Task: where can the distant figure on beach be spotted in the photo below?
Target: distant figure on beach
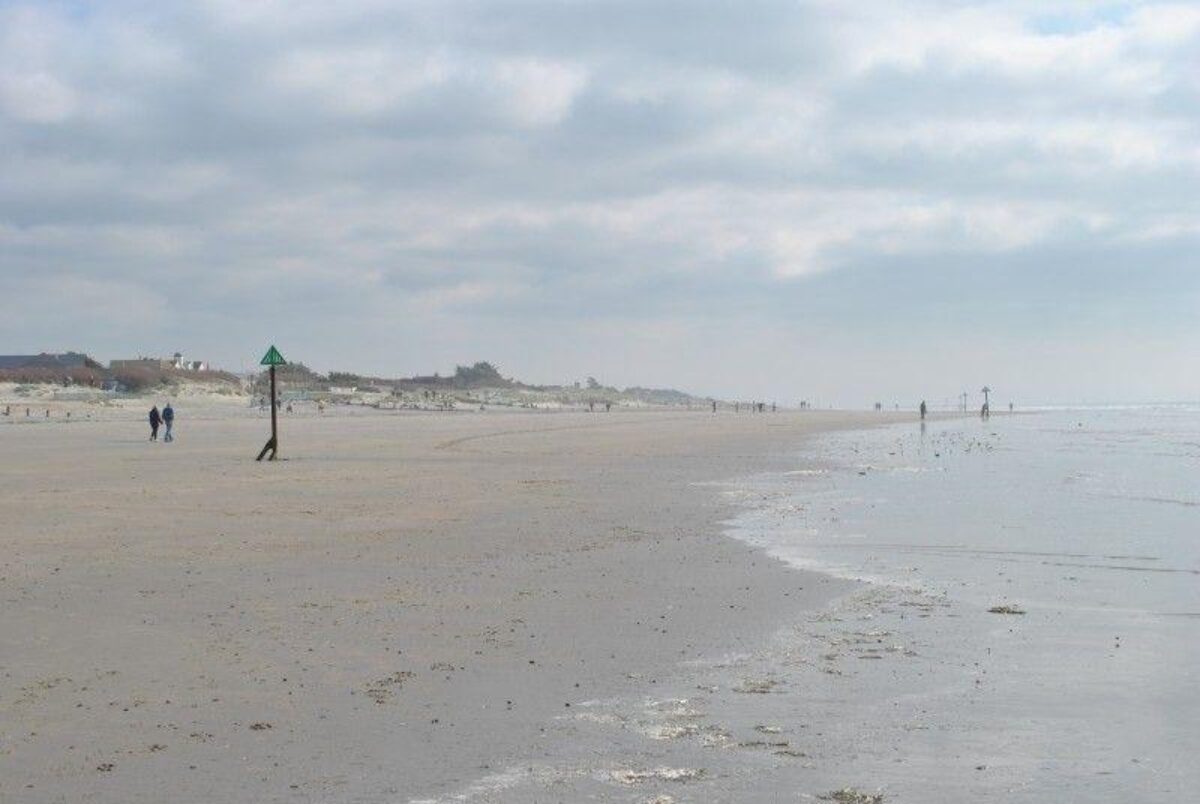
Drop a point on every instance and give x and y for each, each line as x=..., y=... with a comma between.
x=155, y=421
x=262, y=403
x=591, y=407
x=1010, y=407
x=289, y=407
x=320, y=406
x=608, y=407
x=923, y=410
x=984, y=412
x=168, y=418
x=714, y=406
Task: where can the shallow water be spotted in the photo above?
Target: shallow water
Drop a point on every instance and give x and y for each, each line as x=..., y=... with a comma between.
x=1086, y=521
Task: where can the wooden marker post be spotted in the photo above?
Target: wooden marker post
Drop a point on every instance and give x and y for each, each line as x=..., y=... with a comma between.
x=272, y=359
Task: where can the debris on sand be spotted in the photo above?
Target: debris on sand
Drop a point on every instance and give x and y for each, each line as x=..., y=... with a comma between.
x=381, y=691
x=848, y=795
x=675, y=707
x=716, y=737
x=671, y=731
x=658, y=775
x=762, y=744
x=791, y=752
x=1005, y=609
x=260, y=726
x=105, y=767
x=756, y=687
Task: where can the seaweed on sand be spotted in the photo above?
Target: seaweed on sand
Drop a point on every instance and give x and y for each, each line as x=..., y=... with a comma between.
x=848, y=795
x=1005, y=609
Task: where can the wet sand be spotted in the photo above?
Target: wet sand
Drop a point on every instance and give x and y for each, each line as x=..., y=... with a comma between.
x=408, y=607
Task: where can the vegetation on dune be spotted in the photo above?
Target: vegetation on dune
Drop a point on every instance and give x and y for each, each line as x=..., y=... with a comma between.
x=148, y=378
x=481, y=375
x=39, y=375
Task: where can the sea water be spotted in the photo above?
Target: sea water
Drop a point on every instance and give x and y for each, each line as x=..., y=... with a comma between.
x=1058, y=553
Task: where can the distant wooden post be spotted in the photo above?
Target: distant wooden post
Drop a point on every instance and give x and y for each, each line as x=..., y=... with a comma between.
x=272, y=359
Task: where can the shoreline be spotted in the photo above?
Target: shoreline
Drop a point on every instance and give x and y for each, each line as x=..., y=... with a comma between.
x=409, y=605
x=990, y=652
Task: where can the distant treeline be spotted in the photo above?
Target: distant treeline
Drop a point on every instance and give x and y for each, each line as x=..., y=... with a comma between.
x=93, y=375
x=480, y=375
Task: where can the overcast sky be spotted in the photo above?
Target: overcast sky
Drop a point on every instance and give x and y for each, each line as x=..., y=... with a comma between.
x=839, y=200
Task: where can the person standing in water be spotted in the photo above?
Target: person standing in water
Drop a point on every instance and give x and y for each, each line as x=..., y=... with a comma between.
x=155, y=420
x=924, y=410
x=168, y=417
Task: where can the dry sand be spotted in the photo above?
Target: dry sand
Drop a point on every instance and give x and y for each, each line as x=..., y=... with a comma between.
x=404, y=606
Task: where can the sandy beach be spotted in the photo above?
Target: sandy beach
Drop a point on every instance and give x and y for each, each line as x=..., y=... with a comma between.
x=725, y=402
x=408, y=607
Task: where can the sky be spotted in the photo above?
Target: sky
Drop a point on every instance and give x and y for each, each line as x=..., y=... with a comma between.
x=835, y=201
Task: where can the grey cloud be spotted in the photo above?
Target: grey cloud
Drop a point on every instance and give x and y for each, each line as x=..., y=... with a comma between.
x=475, y=167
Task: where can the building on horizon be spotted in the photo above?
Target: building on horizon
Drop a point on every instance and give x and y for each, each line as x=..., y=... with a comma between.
x=176, y=361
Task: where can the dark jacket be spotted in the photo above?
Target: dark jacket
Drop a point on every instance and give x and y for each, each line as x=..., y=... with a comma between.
x=154, y=417
x=168, y=414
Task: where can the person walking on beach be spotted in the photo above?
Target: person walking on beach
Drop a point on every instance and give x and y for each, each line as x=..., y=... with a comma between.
x=923, y=410
x=168, y=417
x=155, y=420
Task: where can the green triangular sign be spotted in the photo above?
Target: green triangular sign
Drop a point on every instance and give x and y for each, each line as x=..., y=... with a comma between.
x=272, y=358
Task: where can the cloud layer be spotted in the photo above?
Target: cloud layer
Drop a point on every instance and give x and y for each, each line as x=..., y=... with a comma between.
x=626, y=189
